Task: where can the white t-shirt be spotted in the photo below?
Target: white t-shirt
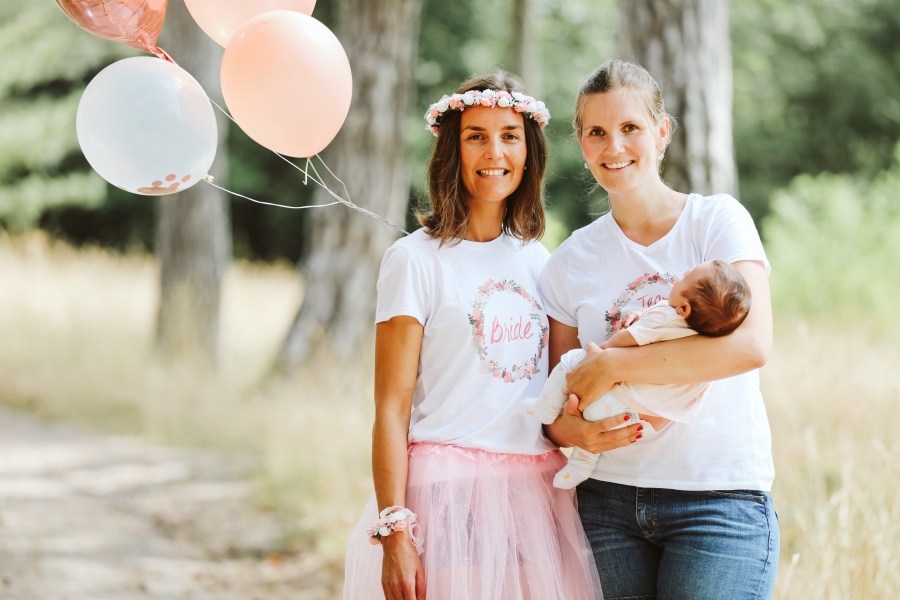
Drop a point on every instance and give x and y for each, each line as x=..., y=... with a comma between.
x=598, y=275
x=485, y=345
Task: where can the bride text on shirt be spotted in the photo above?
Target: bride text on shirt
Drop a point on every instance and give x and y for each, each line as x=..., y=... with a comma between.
x=512, y=331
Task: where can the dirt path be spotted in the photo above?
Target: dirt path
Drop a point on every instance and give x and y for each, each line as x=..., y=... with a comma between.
x=84, y=516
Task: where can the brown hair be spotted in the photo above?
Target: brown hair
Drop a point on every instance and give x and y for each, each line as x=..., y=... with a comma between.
x=448, y=218
x=615, y=74
x=719, y=302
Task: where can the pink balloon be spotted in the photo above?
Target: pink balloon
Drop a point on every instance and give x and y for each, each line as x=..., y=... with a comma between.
x=135, y=23
x=287, y=82
x=220, y=19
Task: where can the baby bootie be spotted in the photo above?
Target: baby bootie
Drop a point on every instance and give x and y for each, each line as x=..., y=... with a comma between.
x=571, y=475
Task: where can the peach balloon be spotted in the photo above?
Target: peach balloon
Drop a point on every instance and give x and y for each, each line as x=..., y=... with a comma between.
x=220, y=19
x=287, y=82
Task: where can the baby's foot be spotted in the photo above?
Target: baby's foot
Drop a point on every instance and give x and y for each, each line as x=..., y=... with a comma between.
x=571, y=475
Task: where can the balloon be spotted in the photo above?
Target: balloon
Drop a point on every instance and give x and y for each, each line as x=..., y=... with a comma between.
x=220, y=19
x=135, y=23
x=287, y=82
x=146, y=126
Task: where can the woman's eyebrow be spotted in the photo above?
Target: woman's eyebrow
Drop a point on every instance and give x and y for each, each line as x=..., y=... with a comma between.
x=622, y=124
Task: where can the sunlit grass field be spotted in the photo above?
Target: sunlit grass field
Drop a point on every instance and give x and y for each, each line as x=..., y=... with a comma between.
x=76, y=332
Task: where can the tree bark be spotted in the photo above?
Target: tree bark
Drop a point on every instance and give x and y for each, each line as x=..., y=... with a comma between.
x=525, y=50
x=381, y=39
x=193, y=240
x=685, y=44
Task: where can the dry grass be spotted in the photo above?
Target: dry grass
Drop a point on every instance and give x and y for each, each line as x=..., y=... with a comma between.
x=76, y=333
x=76, y=330
x=834, y=405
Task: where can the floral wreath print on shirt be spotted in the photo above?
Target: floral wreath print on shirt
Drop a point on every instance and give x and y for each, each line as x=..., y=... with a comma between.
x=514, y=372
x=614, y=315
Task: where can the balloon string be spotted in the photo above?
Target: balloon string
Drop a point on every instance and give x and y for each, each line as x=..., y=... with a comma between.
x=209, y=179
x=306, y=176
x=316, y=178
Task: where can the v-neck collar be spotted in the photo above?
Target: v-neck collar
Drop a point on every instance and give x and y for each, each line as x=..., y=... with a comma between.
x=629, y=242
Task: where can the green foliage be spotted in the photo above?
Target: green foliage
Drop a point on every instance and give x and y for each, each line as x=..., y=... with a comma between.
x=47, y=63
x=459, y=39
x=816, y=88
x=577, y=37
x=835, y=253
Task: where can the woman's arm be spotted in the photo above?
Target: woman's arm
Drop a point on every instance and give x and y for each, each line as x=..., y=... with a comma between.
x=570, y=429
x=397, y=346
x=688, y=360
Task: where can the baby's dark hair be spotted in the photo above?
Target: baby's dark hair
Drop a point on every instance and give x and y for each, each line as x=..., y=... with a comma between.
x=719, y=302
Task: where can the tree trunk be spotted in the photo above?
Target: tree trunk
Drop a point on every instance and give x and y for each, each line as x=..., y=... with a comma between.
x=193, y=240
x=685, y=44
x=381, y=39
x=525, y=49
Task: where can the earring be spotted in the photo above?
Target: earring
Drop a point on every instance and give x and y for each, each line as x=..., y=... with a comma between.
x=586, y=166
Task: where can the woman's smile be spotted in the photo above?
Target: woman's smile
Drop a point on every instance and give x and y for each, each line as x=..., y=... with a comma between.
x=617, y=166
x=492, y=173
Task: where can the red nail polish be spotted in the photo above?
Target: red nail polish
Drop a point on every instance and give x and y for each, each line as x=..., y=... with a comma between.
x=632, y=441
x=640, y=427
x=639, y=436
x=627, y=418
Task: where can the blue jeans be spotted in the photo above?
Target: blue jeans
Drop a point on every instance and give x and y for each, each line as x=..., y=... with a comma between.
x=659, y=544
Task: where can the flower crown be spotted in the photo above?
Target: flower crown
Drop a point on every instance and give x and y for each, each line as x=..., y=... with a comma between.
x=519, y=102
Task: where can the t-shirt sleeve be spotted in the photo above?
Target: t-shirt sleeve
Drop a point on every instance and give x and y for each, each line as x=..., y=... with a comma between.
x=402, y=287
x=733, y=235
x=659, y=323
x=553, y=287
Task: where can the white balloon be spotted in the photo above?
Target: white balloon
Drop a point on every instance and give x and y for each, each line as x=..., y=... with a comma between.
x=146, y=126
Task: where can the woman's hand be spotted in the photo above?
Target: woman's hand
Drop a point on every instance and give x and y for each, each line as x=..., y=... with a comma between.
x=570, y=429
x=592, y=377
x=402, y=575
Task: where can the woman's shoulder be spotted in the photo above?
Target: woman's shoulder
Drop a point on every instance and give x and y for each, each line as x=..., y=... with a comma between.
x=532, y=249
x=720, y=214
x=417, y=246
x=715, y=206
x=724, y=229
x=416, y=241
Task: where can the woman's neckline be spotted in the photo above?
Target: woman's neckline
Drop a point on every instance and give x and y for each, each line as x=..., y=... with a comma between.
x=473, y=244
x=668, y=234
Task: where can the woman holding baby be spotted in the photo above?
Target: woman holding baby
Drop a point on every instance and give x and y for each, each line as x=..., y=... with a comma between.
x=687, y=514
x=471, y=317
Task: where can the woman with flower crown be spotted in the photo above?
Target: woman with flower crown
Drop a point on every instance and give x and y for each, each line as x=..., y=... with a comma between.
x=464, y=507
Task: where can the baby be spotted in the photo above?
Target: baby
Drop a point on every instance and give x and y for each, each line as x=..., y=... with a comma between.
x=712, y=299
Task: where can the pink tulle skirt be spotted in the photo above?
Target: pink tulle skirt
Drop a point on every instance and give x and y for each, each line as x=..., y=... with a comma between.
x=494, y=527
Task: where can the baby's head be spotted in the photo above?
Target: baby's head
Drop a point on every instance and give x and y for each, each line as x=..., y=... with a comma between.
x=713, y=298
